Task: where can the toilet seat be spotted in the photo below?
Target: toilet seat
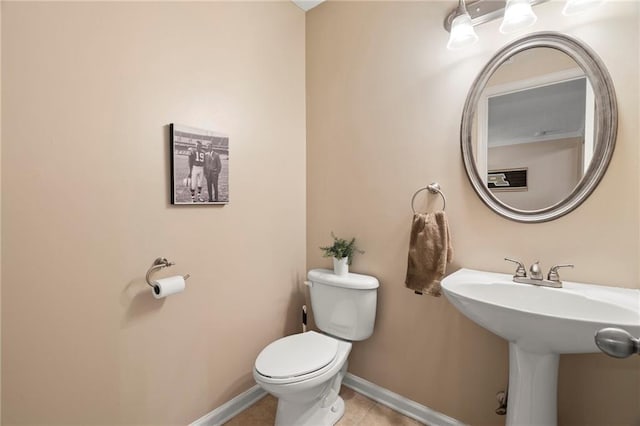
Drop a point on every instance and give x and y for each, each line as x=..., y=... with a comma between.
x=297, y=357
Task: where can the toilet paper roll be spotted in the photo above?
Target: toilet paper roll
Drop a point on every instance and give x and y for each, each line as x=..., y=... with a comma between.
x=167, y=286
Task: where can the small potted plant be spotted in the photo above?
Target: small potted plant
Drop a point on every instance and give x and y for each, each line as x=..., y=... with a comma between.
x=342, y=252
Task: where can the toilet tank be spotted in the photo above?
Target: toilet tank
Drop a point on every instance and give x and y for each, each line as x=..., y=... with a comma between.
x=343, y=306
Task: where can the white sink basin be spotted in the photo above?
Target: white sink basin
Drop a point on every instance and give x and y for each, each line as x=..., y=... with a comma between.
x=543, y=319
x=540, y=323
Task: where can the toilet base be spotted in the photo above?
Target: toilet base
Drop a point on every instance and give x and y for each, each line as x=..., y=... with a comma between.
x=289, y=414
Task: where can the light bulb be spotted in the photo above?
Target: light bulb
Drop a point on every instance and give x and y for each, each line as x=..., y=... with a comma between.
x=462, y=32
x=517, y=15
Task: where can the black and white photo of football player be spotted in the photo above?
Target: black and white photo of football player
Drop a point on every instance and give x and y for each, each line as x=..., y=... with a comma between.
x=196, y=171
x=198, y=158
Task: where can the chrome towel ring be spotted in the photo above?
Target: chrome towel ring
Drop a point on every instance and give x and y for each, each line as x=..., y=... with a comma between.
x=433, y=188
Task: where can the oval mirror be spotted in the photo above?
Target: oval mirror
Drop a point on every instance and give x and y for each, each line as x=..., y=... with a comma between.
x=539, y=127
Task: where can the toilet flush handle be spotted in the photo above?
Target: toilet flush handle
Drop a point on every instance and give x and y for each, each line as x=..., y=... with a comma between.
x=308, y=284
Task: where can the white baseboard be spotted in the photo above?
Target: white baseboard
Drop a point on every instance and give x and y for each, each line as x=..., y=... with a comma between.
x=398, y=403
x=231, y=408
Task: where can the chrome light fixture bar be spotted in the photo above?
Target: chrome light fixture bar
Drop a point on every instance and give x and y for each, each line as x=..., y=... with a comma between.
x=516, y=14
x=482, y=11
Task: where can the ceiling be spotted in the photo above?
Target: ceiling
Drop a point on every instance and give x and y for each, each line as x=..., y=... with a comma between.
x=555, y=111
x=307, y=4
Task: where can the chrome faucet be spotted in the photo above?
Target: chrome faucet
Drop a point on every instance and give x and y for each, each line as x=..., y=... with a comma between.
x=536, y=277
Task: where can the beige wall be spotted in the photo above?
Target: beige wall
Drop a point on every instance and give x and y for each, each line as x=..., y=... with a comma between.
x=384, y=100
x=89, y=89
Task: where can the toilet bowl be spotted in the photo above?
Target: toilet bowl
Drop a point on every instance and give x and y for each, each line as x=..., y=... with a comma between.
x=304, y=371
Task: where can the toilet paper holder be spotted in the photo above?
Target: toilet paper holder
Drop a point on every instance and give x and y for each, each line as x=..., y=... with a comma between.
x=160, y=263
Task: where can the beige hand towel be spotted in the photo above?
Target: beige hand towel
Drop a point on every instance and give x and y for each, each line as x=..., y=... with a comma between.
x=429, y=252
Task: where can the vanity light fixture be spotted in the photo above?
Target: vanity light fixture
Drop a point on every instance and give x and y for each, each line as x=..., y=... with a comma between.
x=462, y=32
x=516, y=14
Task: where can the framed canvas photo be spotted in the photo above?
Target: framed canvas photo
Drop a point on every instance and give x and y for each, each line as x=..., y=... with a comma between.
x=199, y=166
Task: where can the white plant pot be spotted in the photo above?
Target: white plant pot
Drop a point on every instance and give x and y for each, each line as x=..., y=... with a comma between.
x=340, y=266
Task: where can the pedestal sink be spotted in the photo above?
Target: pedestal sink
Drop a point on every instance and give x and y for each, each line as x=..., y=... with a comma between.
x=540, y=323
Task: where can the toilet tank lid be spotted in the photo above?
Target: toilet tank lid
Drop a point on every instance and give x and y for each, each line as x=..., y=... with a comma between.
x=353, y=281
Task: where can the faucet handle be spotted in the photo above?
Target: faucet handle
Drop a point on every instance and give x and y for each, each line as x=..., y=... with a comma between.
x=520, y=271
x=536, y=271
x=553, y=272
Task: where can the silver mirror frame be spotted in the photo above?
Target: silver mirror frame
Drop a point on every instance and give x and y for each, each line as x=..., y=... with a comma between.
x=606, y=125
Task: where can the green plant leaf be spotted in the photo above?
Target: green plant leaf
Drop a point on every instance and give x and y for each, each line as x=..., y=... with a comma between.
x=341, y=248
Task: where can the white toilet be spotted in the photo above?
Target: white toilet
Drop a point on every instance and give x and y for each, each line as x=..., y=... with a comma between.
x=304, y=371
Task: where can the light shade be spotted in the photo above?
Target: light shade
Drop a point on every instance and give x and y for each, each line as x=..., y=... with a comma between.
x=462, y=32
x=573, y=7
x=517, y=15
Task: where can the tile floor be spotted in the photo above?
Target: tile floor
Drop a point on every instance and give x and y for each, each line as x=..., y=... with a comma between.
x=359, y=410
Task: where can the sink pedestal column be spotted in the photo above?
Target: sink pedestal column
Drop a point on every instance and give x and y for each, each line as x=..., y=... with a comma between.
x=533, y=387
